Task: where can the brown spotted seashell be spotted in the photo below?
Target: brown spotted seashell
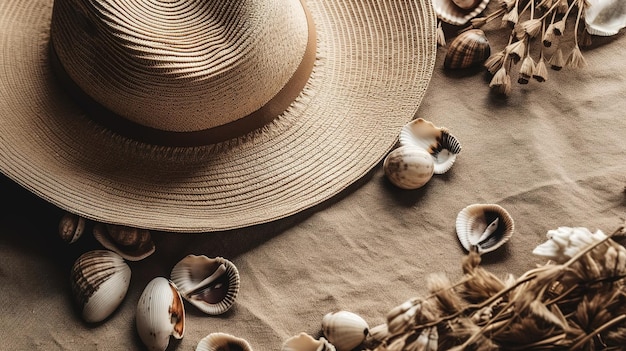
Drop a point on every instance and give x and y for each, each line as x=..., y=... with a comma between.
x=469, y=49
x=71, y=227
x=409, y=167
x=133, y=244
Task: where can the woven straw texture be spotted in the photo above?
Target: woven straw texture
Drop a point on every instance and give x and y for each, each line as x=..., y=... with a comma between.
x=347, y=118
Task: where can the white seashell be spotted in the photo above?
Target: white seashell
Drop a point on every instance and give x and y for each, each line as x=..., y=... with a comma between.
x=160, y=314
x=450, y=12
x=133, y=244
x=222, y=342
x=99, y=281
x=211, y=284
x=345, y=330
x=437, y=141
x=305, y=342
x=71, y=227
x=605, y=17
x=484, y=227
x=409, y=167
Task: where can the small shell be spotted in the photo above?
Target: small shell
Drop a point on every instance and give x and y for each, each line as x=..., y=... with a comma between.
x=71, y=227
x=305, y=342
x=409, y=167
x=222, y=342
x=133, y=244
x=160, y=314
x=449, y=12
x=211, y=284
x=484, y=226
x=345, y=330
x=469, y=49
x=605, y=17
x=437, y=141
x=99, y=281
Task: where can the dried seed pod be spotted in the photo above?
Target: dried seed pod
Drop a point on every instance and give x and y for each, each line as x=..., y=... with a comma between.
x=469, y=49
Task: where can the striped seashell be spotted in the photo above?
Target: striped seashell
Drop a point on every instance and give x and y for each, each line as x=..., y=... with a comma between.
x=133, y=244
x=345, y=330
x=469, y=49
x=222, y=342
x=437, y=141
x=450, y=12
x=484, y=227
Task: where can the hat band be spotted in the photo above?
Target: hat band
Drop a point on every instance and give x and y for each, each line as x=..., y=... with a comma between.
x=255, y=120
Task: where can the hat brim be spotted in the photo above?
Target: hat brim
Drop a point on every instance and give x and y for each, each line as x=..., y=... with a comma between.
x=374, y=62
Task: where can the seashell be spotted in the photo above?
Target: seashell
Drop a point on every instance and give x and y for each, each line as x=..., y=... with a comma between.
x=469, y=49
x=211, y=284
x=99, y=282
x=484, y=226
x=452, y=13
x=71, y=227
x=305, y=342
x=437, y=141
x=133, y=244
x=605, y=17
x=345, y=330
x=222, y=342
x=160, y=314
x=409, y=167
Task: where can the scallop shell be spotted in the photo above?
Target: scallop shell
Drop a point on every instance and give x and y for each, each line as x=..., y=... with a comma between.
x=605, y=17
x=408, y=167
x=71, y=227
x=437, y=141
x=305, y=342
x=451, y=13
x=222, y=342
x=99, y=281
x=160, y=314
x=345, y=330
x=133, y=244
x=484, y=226
x=469, y=49
x=211, y=284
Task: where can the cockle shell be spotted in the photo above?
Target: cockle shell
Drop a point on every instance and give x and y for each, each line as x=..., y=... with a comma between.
x=71, y=227
x=222, y=342
x=437, y=141
x=485, y=227
x=449, y=12
x=305, y=342
x=345, y=330
x=469, y=49
x=133, y=244
x=409, y=167
x=211, y=284
x=99, y=281
x=605, y=17
x=160, y=314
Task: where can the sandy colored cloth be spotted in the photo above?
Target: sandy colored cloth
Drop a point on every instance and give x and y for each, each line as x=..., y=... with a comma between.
x=552, y=154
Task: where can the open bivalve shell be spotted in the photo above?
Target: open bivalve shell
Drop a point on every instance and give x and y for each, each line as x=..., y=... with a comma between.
x=305, y=342
x=484, y=227
x=458, y=12
x=437, y=141
x=345, y=330
x=160, y=314
x=210, y=284
x=133, y=244
x=605, y=17
x=222, y=342
x=99, y=281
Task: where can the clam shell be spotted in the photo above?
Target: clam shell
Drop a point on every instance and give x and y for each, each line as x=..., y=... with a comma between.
x=605, y=17
x=437, y=141
x=469, y=49
x=71, y=227
x=408, y=167
x=99, y=282
x=345, y=330
x=305, y=342
x=210, y=284
x=451, y=13
x=222, y=342
x=484, y=226
x=160, y=314
x=133, y=244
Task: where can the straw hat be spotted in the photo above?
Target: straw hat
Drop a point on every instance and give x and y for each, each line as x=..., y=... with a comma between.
x=197, y=115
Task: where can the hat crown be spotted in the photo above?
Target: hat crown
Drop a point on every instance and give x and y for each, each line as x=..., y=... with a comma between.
x=180, y=65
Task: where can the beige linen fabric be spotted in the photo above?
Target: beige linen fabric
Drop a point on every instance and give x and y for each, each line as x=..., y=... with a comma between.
x=552, y=155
